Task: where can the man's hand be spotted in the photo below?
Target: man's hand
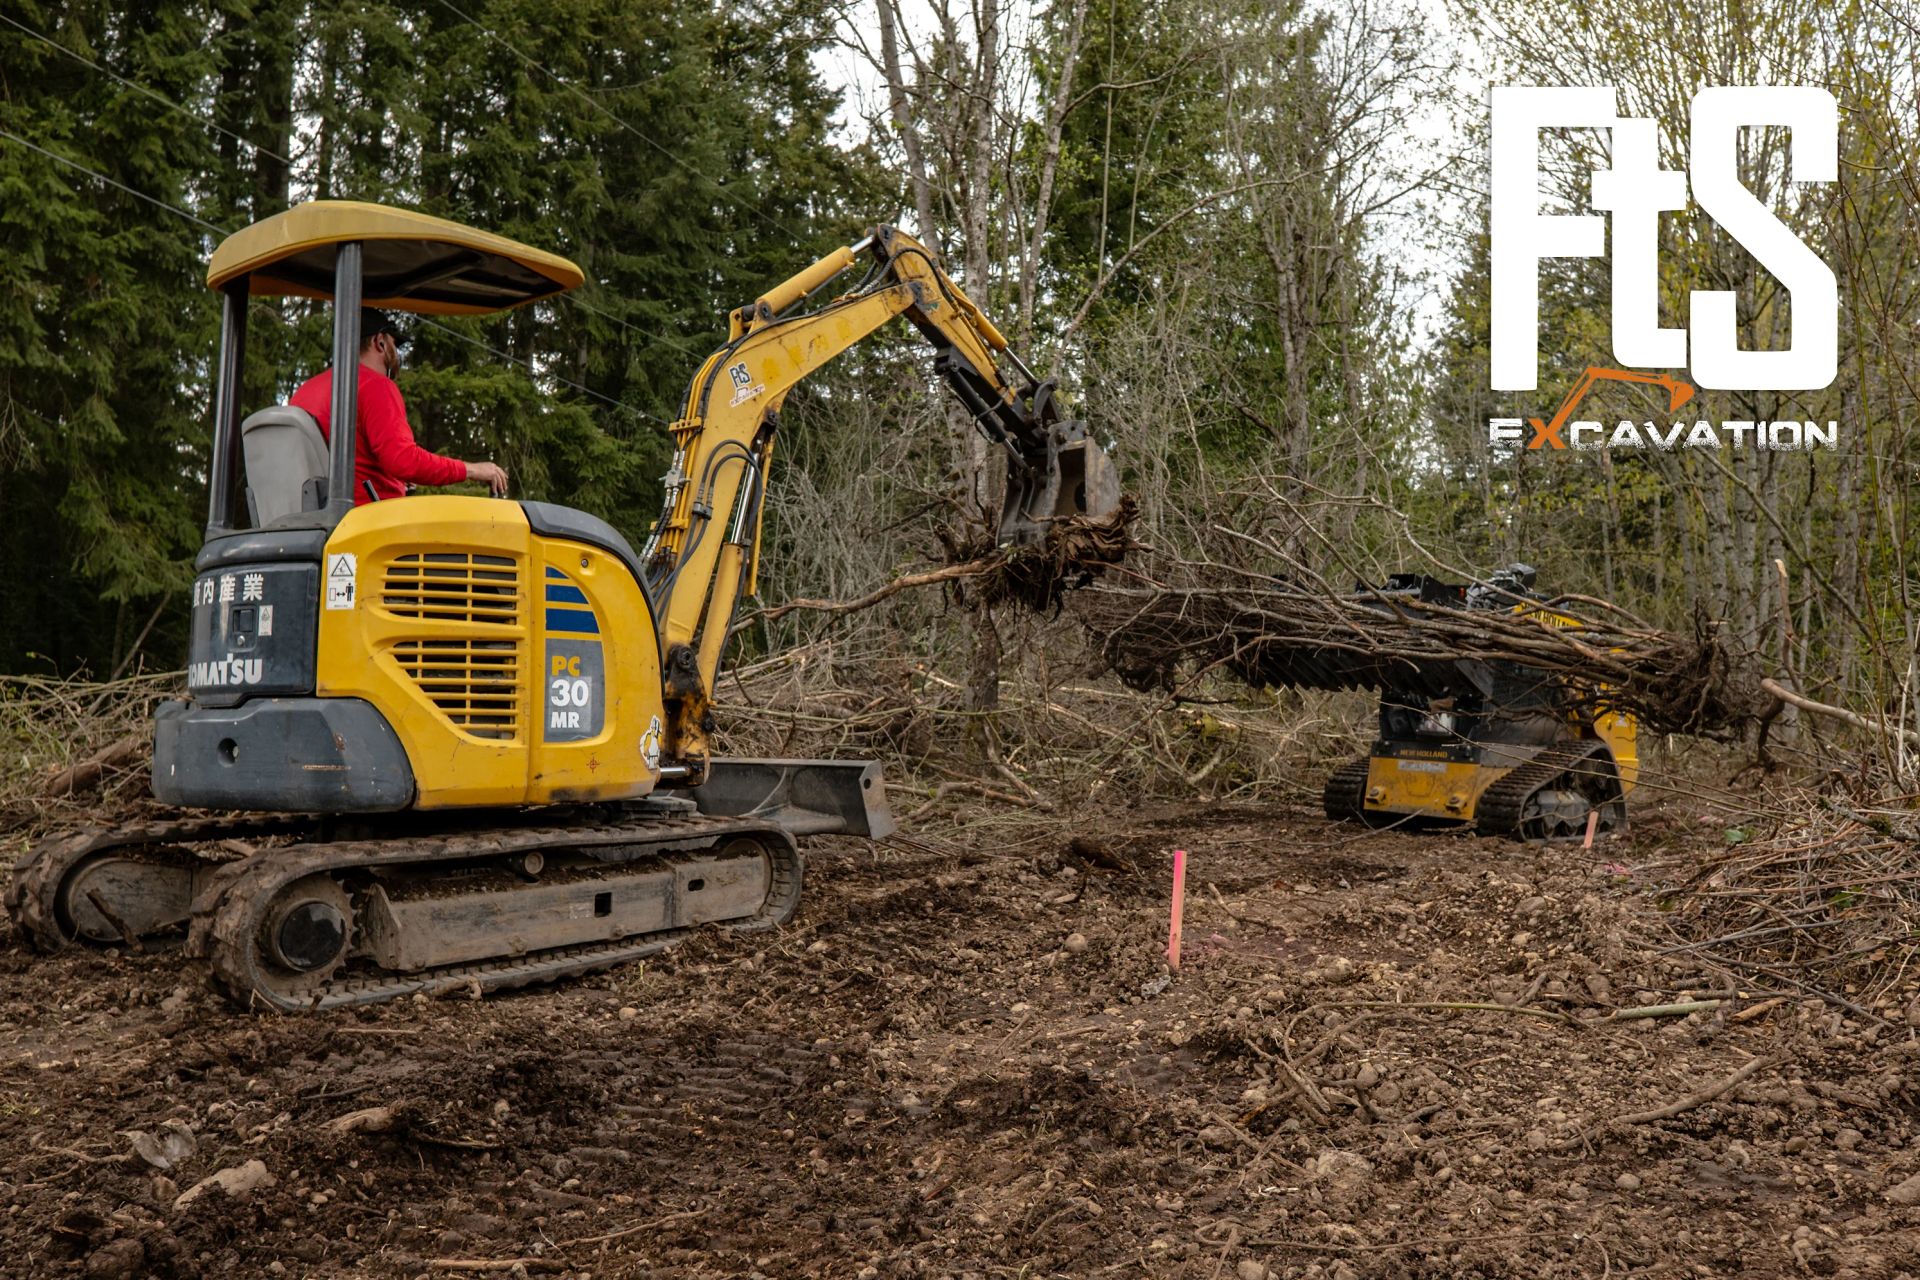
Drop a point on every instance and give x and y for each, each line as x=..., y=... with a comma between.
x=495, y=478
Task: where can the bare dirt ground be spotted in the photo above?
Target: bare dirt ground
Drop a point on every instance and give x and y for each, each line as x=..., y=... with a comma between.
x=966, y=1058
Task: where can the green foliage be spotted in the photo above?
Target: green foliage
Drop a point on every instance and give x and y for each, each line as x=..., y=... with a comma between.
x=100, y=346
x=679, y=152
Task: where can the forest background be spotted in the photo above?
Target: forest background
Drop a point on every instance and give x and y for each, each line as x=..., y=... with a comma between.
x=1249, y=238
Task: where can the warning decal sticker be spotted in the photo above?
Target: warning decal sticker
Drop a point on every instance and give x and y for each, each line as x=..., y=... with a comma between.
x=342, y=573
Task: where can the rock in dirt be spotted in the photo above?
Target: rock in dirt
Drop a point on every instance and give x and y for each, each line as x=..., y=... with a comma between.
x=163, y=1148
x=1334, y=972
x=1627, y=1182
x=1906, y=1193
x=1248, y=1269
x=237, y=1181
x=1342, y=1174
x=1075, y=943
x=121, y=1259
x=366, y=1120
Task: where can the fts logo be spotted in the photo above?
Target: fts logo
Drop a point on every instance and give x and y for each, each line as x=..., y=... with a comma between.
x=1633, y=193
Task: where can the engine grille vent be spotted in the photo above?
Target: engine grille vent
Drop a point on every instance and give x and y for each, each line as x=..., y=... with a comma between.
x=475, y=683
x=453, y=586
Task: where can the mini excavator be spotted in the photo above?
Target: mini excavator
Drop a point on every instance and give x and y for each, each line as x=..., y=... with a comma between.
x=469, y=738
x=1496, y=745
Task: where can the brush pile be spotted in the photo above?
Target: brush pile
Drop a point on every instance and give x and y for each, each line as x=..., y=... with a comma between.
x=1825, y=899
x=75, y=749
x=1272, y=633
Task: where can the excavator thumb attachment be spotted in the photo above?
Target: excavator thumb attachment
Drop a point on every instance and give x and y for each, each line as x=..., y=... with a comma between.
x=1071, y=476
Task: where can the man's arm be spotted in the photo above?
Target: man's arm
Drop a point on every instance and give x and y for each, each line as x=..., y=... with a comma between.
x=383, y=418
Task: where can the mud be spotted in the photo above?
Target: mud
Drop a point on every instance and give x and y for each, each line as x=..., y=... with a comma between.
x=967, y=1058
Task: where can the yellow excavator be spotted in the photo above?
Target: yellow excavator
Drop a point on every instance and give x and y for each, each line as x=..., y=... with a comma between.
x=470, y=737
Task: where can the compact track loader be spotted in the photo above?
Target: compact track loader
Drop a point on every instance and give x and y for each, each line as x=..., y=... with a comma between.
x=1496, y=745
x=468, y=738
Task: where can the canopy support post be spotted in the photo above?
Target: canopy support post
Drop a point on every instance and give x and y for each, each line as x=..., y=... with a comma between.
x=346, y=380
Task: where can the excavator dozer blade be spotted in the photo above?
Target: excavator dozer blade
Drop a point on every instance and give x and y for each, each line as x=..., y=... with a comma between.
x=804, y=797
x=1073, y=477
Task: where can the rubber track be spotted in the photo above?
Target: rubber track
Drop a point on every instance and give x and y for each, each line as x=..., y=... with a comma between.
x=230, y=917
x=1345, y=795
x=1501, y=806
x=33, y=888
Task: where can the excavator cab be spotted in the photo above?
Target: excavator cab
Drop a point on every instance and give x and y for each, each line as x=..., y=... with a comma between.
x=274, y=467
x=343, y=658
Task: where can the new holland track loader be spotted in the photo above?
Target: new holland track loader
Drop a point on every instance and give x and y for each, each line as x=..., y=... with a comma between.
x=469, y=737
x=1496, y=745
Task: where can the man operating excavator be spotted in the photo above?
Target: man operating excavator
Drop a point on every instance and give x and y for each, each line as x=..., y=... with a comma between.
x=387, y=458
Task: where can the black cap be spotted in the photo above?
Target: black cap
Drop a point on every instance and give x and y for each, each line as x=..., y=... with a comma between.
x=374, y=323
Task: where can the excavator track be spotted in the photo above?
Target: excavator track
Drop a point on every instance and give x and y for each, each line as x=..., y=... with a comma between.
x=45, y=887
x=1584, y=776
x=232, y=920
x=1345, y=795
x=211, y=881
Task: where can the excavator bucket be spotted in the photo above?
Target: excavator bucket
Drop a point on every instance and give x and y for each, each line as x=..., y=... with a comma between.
x=1072, y=476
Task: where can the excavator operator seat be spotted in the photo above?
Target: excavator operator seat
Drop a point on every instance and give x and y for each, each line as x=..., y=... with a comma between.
x=286, y=463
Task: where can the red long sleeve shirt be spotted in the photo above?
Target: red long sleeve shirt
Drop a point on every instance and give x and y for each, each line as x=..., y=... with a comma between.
x=384, y=452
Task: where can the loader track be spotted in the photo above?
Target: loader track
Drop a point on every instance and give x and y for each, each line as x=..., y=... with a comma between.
x=1345, y=795
x=240, y=889
x=1580, y=766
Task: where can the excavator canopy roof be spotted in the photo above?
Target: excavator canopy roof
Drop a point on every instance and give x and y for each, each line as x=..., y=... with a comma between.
x=412, y=262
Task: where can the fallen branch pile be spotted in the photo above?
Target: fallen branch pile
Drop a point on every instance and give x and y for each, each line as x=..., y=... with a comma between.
x=1272, y=634
x=75, y=746
x=1269, y=631
x=1826, y=900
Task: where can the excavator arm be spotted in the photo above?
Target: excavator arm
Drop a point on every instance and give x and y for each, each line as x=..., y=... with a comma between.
x=702, y=553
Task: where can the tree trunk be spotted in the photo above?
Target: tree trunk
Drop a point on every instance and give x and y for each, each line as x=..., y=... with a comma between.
x=903, y=120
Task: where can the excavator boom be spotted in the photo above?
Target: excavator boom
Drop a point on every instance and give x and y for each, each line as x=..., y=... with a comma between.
x=701, y=554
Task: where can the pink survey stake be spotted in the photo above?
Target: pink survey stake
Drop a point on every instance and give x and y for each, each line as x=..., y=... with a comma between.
x=1179, y=907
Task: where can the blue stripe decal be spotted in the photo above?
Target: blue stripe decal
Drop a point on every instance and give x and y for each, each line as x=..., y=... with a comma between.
x=565, y=595
x=577, y=620
x=555, y=573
